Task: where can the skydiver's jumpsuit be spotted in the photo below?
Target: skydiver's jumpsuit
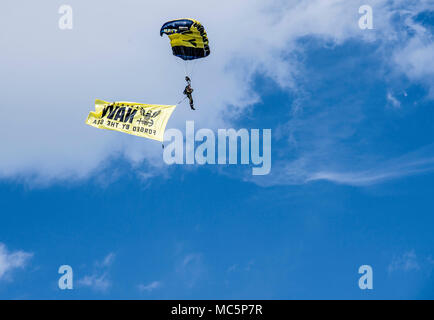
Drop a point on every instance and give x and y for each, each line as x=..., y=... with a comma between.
x=188, y=91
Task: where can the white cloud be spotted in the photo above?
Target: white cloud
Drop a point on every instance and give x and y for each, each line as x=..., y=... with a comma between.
x=53, y=76
x=417, y=58
x=411, y=164
x=150, y=287
x=190, y=259
x=415, y=55
x=107, y=261
x=191, y=269
x=406, y=262
x=393, y=100
x=232, y=268
x=10, y=261
x=99, y=280
x=367, y=172
x=96, y=282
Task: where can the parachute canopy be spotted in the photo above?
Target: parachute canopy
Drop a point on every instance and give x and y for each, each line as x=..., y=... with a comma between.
x=188, y=38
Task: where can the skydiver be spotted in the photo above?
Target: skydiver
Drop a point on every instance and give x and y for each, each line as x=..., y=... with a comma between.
x=188, y=92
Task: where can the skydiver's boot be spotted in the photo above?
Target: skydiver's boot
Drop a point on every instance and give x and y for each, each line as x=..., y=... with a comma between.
x=192, y=105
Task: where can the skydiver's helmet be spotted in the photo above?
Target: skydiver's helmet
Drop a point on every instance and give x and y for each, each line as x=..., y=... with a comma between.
x=187, y=79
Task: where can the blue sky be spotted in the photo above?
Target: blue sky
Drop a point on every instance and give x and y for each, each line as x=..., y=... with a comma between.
x=352, y=154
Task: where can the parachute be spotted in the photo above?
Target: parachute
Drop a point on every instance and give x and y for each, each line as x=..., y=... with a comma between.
x=189, y=42
x=188, y=39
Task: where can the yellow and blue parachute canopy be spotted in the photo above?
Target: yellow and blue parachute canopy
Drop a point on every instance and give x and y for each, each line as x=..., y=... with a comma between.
x=188, y=38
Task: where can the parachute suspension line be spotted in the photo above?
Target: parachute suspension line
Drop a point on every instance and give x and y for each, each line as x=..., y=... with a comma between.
x=185, y=62
x=193, y=67
x=187, y=73
x=181, y=101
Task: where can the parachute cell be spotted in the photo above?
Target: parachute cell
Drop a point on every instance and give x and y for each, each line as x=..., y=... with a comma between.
x=188, y=39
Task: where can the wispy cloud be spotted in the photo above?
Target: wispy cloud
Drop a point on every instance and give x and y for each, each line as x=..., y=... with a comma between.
x=191, y=268
x=406, y=262
x=380, y=172
x=190, y=259
x=149, y=287
x=308, y=168
x=10, y=261
x=393, y=100
x=99, y=280
x=409, y=261
x=107, y=261
x=232, y=268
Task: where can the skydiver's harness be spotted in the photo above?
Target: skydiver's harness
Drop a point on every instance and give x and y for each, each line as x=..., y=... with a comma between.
x=186, y=95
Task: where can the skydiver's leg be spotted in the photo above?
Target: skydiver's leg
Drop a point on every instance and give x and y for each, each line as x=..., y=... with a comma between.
x=191, y=102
